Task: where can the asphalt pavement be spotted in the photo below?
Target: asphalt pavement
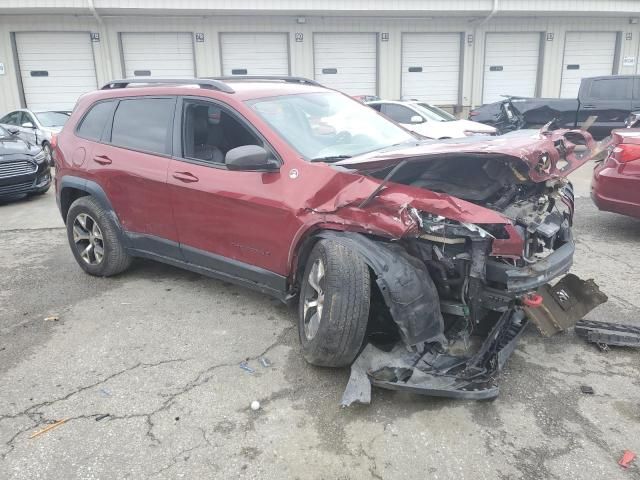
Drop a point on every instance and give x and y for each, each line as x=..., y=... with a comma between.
x=144, y=370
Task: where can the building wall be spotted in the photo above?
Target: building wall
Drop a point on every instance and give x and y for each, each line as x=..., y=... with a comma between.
x=207, y=54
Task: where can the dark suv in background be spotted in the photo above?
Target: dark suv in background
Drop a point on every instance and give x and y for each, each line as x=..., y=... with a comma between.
x=303, y=193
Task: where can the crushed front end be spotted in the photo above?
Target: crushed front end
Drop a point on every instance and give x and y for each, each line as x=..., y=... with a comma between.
x=490, y=279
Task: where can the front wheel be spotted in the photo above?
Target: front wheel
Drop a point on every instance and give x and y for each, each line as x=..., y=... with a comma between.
x=334, y=305
x=46, y=148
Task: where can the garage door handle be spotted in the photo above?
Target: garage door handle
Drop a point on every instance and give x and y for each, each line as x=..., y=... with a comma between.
x=185, y=177
x=102, y=159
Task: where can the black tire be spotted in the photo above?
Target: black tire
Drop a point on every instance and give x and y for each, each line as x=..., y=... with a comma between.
x=115, y=258
x=46, y=148
x=345, y=308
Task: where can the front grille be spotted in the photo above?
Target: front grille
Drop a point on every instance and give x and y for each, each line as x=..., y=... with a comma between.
x=17, y=168
x=16, y=189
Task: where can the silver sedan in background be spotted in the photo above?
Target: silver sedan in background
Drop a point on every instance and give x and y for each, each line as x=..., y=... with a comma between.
x=36, y=127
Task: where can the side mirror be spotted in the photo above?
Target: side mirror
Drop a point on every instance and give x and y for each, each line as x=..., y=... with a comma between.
x=250, y=158
x=27, y=125
x=416, y=119
x=13, y=130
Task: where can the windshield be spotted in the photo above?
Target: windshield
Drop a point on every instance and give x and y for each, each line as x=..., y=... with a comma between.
x=328, y=125
x=434, y=113
x=52, y=119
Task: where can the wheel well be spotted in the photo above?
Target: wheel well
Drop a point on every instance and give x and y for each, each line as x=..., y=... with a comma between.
x=68, y=195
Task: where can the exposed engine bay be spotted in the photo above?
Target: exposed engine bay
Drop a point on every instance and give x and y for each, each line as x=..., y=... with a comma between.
x=485, y=293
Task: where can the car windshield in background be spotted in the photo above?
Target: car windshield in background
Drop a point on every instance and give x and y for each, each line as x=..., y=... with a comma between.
x=52, y=119
x=434, y=113
x=328, y=126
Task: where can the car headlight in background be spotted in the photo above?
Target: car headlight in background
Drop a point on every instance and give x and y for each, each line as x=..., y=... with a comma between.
x=40, y=157
x=470, y=133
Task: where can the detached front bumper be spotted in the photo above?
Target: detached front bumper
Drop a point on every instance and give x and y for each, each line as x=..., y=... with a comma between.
x=517, y=280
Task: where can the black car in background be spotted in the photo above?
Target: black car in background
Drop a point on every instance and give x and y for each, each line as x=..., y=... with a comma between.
x=24, y=169
x=603, y=104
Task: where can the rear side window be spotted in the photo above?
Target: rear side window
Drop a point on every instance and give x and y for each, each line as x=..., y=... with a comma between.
x=94, y=121
x=611, y=89
x=144, y=124
x=397, y=113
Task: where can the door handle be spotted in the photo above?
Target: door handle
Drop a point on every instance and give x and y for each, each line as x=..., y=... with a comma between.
x=588, y=107
x=185, y=177
x=102, y=159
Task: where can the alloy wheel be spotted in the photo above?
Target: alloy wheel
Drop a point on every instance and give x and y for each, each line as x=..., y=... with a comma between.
x=88, y=239
x=314, y=299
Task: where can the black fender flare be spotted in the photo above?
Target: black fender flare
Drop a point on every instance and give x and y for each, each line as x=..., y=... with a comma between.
x=405, y=284
x=94, y=190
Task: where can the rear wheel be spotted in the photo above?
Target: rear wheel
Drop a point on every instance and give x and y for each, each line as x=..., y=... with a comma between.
x=334, y=305
x=93, y=237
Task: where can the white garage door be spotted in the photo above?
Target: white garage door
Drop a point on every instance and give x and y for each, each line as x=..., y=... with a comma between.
x=346, y=61
x=167, y=55
x=586, y=54
x=431, y=67
x=254, y=53
x=510, y=65
x=56, y=68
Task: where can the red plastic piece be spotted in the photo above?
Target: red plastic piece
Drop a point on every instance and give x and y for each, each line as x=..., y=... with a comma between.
x=533, y=300
x=627, y=457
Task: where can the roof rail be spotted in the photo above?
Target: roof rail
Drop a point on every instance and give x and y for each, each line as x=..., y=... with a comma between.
x=281, y=78
x=201, y=82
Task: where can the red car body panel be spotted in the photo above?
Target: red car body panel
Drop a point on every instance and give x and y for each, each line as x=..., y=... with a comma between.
x=261, y=218
x=615, y=186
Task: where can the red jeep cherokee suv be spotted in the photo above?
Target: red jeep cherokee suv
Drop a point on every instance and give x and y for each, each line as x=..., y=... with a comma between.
x=301, y=192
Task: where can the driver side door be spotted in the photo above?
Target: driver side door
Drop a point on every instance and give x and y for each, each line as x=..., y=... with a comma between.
x=236, y=223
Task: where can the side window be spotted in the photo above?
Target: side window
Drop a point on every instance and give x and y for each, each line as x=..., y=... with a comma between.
x=12, y=119
x=397, y=113
x=26, y=117
x=210, y=131
x=144, y=124
x=93, y=123
x=610, y=89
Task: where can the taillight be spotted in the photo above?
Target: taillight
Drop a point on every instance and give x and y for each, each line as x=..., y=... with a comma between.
x=625, y=152
x=473, y=113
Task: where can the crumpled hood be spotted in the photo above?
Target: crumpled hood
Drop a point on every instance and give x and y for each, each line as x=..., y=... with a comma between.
x=15, y=145
x=537, y=156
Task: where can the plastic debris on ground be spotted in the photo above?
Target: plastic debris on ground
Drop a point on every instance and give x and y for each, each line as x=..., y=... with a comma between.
x=52, y=318
x=265, y=362
x=627, y=457
x=245, y=366
x=587, y=389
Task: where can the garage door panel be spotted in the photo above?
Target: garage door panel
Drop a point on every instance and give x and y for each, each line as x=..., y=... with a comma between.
x=67, y=59
x=257, y=53
x=511, y=65
x=352, y=56
x=162, y=54
x=438, y=57
x=592, y=52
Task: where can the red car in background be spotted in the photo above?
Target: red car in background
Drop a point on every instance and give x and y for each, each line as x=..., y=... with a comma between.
x=616, y=181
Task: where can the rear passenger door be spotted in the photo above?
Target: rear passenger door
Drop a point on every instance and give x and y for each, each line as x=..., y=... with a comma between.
x=131, y=162
x=610, y=100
